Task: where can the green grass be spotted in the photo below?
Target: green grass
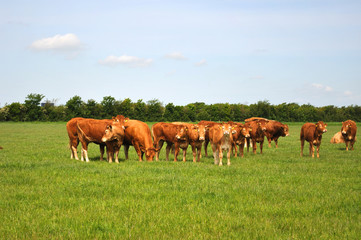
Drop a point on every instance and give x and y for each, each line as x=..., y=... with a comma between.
x=277, y=195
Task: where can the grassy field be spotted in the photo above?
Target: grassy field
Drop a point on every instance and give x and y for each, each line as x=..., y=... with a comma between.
x=277, y=195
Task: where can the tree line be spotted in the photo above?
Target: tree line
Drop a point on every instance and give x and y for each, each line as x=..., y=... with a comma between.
x=156, y=111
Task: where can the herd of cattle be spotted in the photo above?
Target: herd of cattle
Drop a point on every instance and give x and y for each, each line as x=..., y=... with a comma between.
x=113, y=133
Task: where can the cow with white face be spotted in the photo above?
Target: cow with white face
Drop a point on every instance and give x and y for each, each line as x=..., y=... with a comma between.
x=220, y=136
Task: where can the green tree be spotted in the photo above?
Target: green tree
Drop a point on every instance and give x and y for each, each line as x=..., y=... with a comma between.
x=140, y=110
x=32, y=107
x=108, y=104
x=74, y=107
x=93, y=109
x=126, y=108
x=155, y=110
x=15, y=112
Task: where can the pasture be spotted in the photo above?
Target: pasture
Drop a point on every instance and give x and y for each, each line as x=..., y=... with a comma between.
x=277, y=195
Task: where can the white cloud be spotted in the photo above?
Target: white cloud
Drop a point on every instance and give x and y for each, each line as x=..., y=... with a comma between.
x=201, y=63
x=67, y=42
x=176, y=56
x=130, y=61
x=348, y=93
x=322, y=87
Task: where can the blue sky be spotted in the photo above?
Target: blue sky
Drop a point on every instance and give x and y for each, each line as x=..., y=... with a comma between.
x=182, y=51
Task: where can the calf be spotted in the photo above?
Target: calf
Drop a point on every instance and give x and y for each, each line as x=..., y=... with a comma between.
x=221, y=139
x=195, y=137
x=137, y=134
x=92, y=130
x=114, y=133
x=240, y=133
x=257, y=133
x=207, y=124
x=274, y=130
x=348, y=131
x=172, y=134
x=312, y=133
x=337, y=138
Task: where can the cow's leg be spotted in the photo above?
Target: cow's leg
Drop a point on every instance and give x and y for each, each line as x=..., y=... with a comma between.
x=101, y=148
x=312, y=150
x=215, y=153
x=184, y=154
x=139, y=152
x=302, y=145
x=269, y=141
x=254, y=143
x=318, y=150
x=248, y=142
x=220, y=151
x=167, y=150
x=73, y=148
x=126, y=150
x=205, y=148
x=176, y=151
x=276, y=141
x=346, y=144
x=261, y=146
x=229, y=157
x=241, y=149
x=117, y=154
x=159, y=145
x=235, y=149
x=199, y=150
x=352, y=143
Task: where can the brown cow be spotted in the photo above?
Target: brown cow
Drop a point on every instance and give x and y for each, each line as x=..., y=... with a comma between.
x=240, y=133
x=172, y=134
x=337, y=138
x=274, y=130
x=221, y=139
x=114, y=133
x=71, y=128
x=312, y=133
x=137, y=133
x=257, y=133
x=92, y=130
x=348, y=131
x=195, y=137
x=208, y=125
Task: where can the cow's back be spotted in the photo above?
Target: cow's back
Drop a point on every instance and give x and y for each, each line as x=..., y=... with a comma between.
x=71, y=127
x=308, y=131
x=139, y=131
x=93, y=129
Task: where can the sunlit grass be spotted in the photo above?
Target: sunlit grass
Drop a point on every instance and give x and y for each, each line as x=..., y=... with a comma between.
x=277, y=195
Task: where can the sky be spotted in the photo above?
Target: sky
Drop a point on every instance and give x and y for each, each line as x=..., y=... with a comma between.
x=181, y=52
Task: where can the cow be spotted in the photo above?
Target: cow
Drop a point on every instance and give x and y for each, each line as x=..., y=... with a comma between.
x=240, y=133
x=257, y=133
x=337, y=138
x=92, y=130
x=207, y=124
x=172, y=134
x=137, y=134
x=348, y=131
x=274, y=130
x=312, y=133
x=71, y=128
x=195, y=137
x=221, y=139
x=114, y=133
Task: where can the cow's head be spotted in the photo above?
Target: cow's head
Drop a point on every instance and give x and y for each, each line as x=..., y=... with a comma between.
x=245, y=131
x=346, y=127
x=285, y=130
x=321, y=126
x=181, y=132
x=114, y=131
x=261, y=123
x=121, y=119
x=149, y=152
x=200, y=130
x=226, y=129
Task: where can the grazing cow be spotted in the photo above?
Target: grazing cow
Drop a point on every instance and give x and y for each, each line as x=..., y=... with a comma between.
x=348, y=131
x=312, y=133
x=221, y=139
x=172, y=134
x=92, y=130
x=240, y=133
x=137, y=133
x=207, y=124
x=257, y=133
x=195, y=137
x=337, y=138
x=274, y=130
